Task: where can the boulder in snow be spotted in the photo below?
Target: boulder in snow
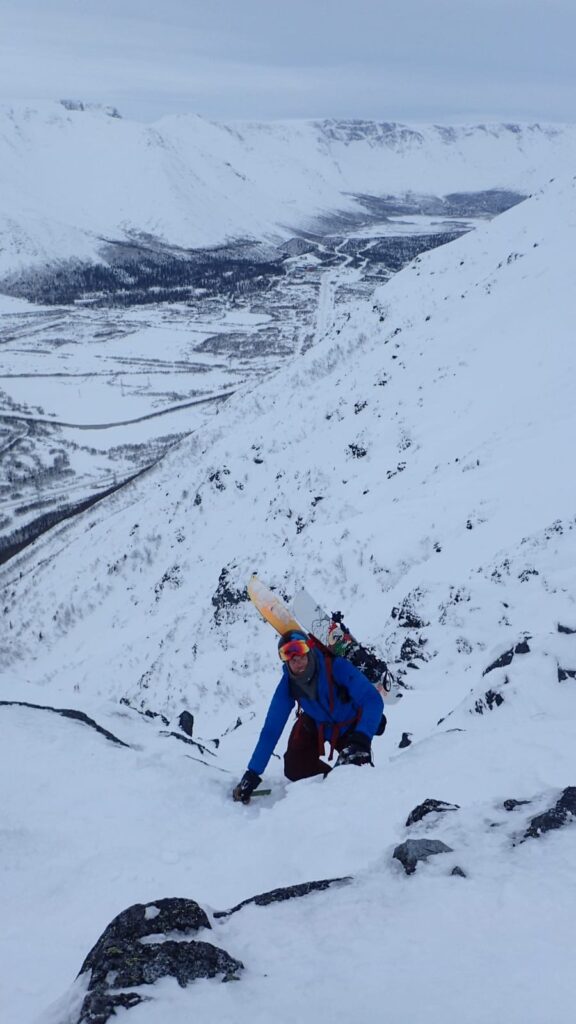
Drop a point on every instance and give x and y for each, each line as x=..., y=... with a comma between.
x=413, y=850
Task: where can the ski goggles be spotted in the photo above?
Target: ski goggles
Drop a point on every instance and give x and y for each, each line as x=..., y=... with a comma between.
x=294, y=649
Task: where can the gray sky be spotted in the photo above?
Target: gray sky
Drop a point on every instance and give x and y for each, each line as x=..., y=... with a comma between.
x=408, y=60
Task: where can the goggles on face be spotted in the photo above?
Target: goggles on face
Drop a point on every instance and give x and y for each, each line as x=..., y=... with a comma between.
x=293, y=649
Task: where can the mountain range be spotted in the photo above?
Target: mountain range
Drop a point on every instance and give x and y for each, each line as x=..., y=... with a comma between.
x=75, y=179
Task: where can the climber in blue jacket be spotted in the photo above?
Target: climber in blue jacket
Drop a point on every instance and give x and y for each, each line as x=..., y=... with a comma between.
x=336, y=704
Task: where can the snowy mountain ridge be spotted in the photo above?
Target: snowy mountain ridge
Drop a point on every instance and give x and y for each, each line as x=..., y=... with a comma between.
x=73, y=179
x=413, y=469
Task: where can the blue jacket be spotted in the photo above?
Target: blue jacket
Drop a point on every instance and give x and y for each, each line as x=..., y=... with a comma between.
x=364, y=699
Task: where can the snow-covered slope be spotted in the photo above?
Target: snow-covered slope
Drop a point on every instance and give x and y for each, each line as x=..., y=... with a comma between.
x=71, y=178
x=415, y=471
x=430, y=422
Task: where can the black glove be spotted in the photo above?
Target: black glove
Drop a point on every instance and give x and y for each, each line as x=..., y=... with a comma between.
x=381, y=728
x=248, y=783
x=357, y=750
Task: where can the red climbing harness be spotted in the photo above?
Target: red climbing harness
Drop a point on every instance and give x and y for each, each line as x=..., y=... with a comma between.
x=337, y=727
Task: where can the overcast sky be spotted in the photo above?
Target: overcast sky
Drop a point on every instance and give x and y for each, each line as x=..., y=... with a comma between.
x=409, y=60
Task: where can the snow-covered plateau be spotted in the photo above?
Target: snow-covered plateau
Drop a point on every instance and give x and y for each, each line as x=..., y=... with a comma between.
x=412, y=468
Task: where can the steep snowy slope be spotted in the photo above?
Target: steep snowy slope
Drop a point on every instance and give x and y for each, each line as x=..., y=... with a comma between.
x=71, y=179
x=414, y=470
x=424, y=439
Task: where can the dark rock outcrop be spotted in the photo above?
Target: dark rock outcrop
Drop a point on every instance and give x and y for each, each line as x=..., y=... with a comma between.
x=413, y=850
x=428, y=807
x=555, y=817
x=141, y=919
x=192, y=743
x=226, y=596
x=458, y=872
x=521, y=648
x=412, y=651
x=280, y=895
x=406, y=613
x=77, y=716
x=145, y=712
x=99, y=1006
x=491, y=699
x=510, y=805
x=123, y=960
x=186, y=722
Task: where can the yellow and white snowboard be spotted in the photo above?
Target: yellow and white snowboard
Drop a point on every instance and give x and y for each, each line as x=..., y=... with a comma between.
x=272, y=607
x=328, y=629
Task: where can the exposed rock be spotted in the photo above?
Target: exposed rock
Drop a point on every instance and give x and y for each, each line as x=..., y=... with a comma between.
x=406, y=613
x=563, y=811
x=128, y=963
x=99, y=1006
x=186, y=722
x=566, y=673
x=226, y=596
x=159, y=917
x=510, y=805
x=565, y=629
x=427, y=807
x=412, y=651
x=413, y=850
x=193, y=743
x=77, y=716
x=120, y=960
x=147, y=712
x=458, y=872
x=406, y=740
x=500, y=662
x=491, y=699
x=172, y=579
x=134, y=963
x=289, y=893
x=521, y=648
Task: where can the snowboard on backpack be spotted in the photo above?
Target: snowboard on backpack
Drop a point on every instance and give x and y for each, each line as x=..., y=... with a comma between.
x=309, y=617
x=333, y=633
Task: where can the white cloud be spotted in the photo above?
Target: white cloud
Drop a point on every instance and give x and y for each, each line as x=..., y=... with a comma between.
x=447, y=59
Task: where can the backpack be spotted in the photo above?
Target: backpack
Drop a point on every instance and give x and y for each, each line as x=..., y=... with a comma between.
x=339, y=689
